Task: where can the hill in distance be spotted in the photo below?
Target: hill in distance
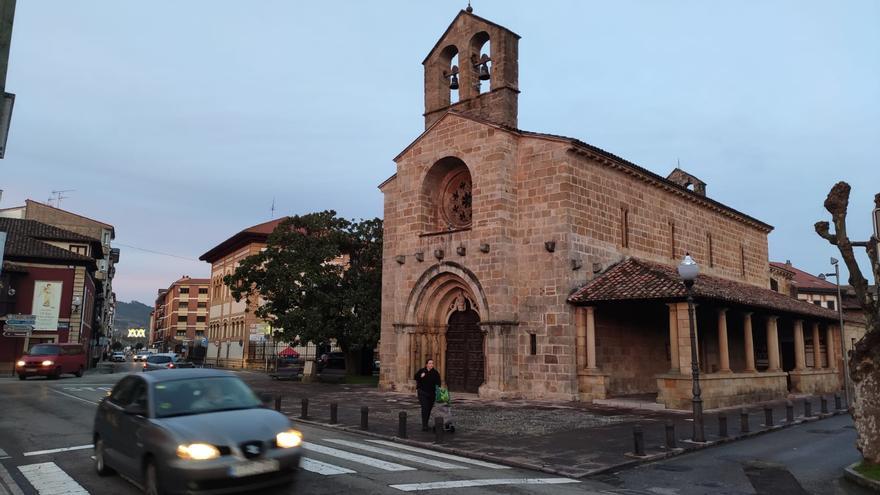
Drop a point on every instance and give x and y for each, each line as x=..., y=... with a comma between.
x=131, y=315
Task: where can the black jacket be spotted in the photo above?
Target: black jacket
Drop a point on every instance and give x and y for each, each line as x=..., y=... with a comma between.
x=427, y=383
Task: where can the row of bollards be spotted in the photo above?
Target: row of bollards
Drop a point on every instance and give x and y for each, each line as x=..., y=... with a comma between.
x=745, y=427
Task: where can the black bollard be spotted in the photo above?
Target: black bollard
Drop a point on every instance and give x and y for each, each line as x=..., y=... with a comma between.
x=808, y=408
x=438, y=429
x=305, y=409
x=768, y=417
x=837, y=402
x=638, y=441
x=401, y=424
x=278, y=403
x=334, y=416
x=744, y=421
x=824, y=404
x=722, y=426
x=364, y=421
x=670, y=434
x=789, y=412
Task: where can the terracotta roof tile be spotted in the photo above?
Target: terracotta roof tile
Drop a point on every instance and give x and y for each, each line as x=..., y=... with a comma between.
x=635, y=279
x=25, y=239
x=805, y=280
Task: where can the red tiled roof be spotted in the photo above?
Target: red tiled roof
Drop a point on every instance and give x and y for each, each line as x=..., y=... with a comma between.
x=805, y=280
x=25, y=241
x=256, y=233
x=635, y=279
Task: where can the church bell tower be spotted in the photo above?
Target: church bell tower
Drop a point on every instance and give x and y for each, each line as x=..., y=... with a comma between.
x=473, y=69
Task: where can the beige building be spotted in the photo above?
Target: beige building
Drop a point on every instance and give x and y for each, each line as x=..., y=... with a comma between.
x=233, y=332
x=180, y=315
x=538, y=266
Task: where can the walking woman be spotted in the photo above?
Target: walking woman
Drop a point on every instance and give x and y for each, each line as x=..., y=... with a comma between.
x=427, y=379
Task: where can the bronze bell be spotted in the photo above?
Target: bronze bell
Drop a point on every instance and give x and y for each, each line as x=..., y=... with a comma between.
x=484, y=72
x=453, y=82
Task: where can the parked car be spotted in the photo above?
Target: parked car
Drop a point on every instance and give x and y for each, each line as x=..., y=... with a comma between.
x=142, y=355
x=193, y=431
x=288, y=368
x=164, y=361
x=331, y=367
x=51, y=361
x=118, y=357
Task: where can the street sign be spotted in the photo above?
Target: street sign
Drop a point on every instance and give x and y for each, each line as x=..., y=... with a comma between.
x=16, y=319
x=205, y=341
x=18, y=329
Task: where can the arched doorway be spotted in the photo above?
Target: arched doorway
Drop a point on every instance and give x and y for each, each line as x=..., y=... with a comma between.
x=465, y=362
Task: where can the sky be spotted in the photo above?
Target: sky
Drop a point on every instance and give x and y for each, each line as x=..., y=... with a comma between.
x=180, y=122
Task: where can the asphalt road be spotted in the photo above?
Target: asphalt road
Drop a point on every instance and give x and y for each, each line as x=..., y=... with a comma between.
x=804, y=459
x=46, y=428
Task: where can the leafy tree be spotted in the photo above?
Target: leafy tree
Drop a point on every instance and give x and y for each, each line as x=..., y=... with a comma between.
x=139, y=346
x=117, y=346
x=864, y=365
x=319, y=279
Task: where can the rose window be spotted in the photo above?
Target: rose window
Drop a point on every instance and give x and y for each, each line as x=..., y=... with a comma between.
x=456, y=200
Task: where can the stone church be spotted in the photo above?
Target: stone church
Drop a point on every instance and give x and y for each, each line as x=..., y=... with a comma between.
x=531, y=265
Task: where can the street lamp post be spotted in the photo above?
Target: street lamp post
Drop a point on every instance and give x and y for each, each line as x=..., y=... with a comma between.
x=846, y=378
x=688, y=270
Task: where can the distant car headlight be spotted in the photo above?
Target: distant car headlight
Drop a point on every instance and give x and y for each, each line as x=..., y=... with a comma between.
x=20, y=363
x=48, y=363
x=197, y=451
x=288, y=439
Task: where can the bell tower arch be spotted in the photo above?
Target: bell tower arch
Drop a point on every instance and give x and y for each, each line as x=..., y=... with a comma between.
x=486, y=77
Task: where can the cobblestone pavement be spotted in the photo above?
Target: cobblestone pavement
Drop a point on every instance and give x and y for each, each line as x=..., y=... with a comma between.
x=569, y=438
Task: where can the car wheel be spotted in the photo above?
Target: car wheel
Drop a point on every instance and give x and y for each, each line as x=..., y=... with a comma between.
x=100, y=466
x=22, y=377
x=79, y=372
x=151, y=480
x=55, y=374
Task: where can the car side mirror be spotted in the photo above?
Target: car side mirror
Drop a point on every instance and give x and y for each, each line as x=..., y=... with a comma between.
x=135, y=410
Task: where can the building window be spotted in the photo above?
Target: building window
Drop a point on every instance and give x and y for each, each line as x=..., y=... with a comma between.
x=624, y=227
x=203, y=290
x=200, y=319
x=817, y=302
x=181, y=333
x=672, y=239
x=181, y=319
x=182, y=305
x=79, y=249
x=830, y=304
x=711, y=253
x=742, y=259
x=184, y=290
x=774, y=285
x=533, y=344
x=203, y=304
x=200, y=333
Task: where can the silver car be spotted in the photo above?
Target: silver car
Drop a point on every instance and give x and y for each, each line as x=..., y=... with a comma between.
x=193, y=431
x=164, y=361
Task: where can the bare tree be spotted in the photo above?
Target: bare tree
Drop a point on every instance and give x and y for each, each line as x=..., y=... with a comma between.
x=865, y=360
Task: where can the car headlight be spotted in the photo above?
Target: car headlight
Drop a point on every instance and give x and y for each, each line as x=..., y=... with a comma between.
x=48, y=363
x=197, y=451
x=19, y=363
x=288, y=439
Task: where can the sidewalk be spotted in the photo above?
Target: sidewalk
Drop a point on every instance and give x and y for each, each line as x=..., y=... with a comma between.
x=570, y=438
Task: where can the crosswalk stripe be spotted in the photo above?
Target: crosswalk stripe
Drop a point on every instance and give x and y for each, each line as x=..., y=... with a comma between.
x=319, y=467
x=399, y=455
x=48, y=479
x=434, y=485
x=55, y=451
x=443, y=455
x=360, y=459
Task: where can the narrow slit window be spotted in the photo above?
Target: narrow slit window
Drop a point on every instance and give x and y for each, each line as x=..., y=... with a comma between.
x=742, y=258
x=672, y=239
x=624, y=227
x=711, y=253
x=533, y=344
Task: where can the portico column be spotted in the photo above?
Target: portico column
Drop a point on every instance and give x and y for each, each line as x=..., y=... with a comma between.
x=817, y=347
x=829, y=347
x=591, y=338
x=749, y=343
x=799, y=349
x=723, y=351
x=772, y=343
x=673, y=339
x=580, y=319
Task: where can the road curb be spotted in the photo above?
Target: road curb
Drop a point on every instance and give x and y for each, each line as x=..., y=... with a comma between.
x=635, y=461
x=860, y=479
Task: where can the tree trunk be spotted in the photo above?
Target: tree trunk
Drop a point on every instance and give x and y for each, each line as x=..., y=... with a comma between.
x=866, y=410
x=352, y=362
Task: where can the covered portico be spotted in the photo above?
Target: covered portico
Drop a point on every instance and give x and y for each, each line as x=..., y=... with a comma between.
x=753, y=344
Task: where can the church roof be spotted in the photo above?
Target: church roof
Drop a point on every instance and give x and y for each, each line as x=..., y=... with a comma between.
x=634, y=279
x=607, y=158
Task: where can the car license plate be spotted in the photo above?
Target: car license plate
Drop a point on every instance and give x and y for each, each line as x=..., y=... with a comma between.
x=254, y=467
x=30, y=370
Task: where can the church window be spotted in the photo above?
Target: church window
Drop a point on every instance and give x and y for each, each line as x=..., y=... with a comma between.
x=709, y=247
x=774, y=285
x=447, y=195
x=672, y=239
x=457, y=199
x=742, y=258
x=624, y=227
x=533, y=344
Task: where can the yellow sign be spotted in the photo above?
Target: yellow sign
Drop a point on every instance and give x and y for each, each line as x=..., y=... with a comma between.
x=137, y=333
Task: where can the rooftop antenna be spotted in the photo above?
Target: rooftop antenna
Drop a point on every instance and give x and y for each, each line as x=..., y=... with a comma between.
x=59, y=195
x=272, y=216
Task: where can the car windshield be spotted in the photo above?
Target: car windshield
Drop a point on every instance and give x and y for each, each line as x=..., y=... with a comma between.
x=44, y=350
x=202, y=395
x=159, y=359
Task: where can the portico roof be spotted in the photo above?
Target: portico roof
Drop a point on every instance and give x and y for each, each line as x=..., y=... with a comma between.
x=635, y=279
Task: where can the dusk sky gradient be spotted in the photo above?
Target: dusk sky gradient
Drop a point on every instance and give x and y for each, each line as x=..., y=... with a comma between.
x=179, y=121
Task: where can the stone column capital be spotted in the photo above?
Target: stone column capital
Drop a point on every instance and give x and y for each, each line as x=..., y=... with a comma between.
x=772, y=318
x=722, y=310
